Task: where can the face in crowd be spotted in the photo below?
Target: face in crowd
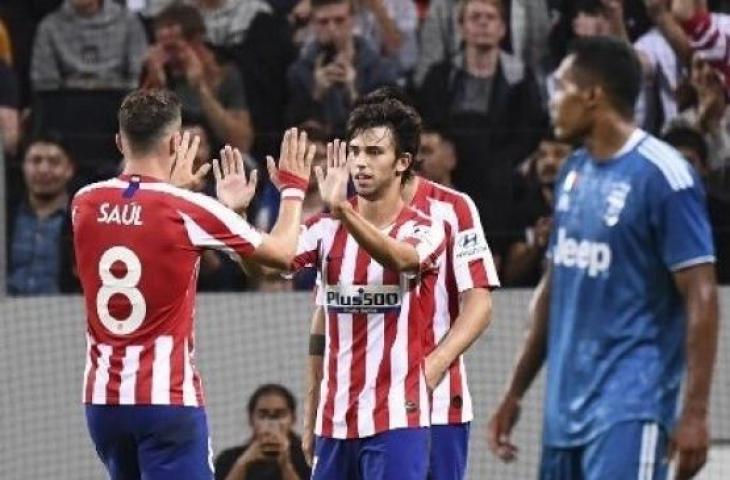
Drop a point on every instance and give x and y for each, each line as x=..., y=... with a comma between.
x=47, y=169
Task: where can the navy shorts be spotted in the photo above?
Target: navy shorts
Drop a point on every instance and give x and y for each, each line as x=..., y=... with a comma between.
x=400, y=454
x=154, y=442
x=633, y=450
x=449, y=449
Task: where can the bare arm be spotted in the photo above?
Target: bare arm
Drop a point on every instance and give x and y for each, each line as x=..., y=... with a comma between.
x=390, y=253
x=662, y=17
x=691, y=438
x=232, y=126
x=10, y=129
x=473, y=320
x=529, y=363
x=315, y=373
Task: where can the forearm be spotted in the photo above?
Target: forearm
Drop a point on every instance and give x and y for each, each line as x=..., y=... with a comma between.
x=387, y=251
x=279, y=247
x=9, y=129
x=233, y=130
x=315, y=367
x=532, y=355
x=473, y=320
x=672, y=31
x=238, y=472
x=702, y=330
x=392, y=37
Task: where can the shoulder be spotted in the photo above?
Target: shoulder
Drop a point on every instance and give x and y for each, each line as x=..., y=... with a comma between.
x=512, y=67
x=96, y=187
x=463, y=207
x=663, y=163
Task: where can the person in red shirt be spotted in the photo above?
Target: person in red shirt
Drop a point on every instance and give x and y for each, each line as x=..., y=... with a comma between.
x=138, y=241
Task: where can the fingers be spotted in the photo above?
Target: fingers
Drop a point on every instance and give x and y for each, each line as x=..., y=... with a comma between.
x=182, y=146
x=311, y=151
x=343, y=153
x=253, y=179
x=301, y=149
x=330, y=155
x=690, y=462
x=192, y=150
x=217, y=174
x=202, y=171
x=238, y=158
x=284, y=153
x=293, y=146
x=320, y=176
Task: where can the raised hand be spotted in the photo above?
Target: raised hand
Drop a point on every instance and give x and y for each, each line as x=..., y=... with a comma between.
x=181, y=173
x=333, y=183
x=295, y=162
x=232, y=188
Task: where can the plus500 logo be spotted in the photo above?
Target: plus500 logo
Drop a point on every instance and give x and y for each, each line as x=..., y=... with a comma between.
x=594, y=257
x=363, y=299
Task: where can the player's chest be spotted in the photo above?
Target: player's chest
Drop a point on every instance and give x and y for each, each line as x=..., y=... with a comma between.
x=597, y=203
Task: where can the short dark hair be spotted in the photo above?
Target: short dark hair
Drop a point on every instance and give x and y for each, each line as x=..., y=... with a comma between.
x=687, y=137
x=145, y=115
x=611, y=63
x=383, y=108
x=323, y=3
x=272, y=389
x=52, y=137
x=462, y=4
x=188, y=17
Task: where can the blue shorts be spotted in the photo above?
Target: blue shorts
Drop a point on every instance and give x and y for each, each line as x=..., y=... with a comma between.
x=449, y=448
x=153, y=442
x=628, y=450
x=400, y=454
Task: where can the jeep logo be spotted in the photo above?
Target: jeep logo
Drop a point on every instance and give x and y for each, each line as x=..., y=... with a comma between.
x=594, y=257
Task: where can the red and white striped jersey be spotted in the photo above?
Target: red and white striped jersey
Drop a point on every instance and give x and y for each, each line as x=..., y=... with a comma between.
x=375, y=323
x=467, y=264
x=138, y=243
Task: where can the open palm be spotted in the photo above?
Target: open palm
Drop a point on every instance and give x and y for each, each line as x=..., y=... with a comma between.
x=333, y=183
x=232, y=188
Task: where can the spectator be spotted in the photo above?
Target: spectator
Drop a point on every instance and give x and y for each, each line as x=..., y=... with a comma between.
x=274, y=451
x=228, y=21
x=218, y=272
x=6, y=47
x=692, y=145
x=440, y=36
x=88, y=44
x=9, y=110
x=39, y=228
x=490, y=104
x=212, y=94
x=707, y=110
x=391, y=26
x=436, y=157
x=334, y=69
x=523, y=266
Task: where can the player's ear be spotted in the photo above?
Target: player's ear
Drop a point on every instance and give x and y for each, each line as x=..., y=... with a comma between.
x=118, y=141
x=403, y=162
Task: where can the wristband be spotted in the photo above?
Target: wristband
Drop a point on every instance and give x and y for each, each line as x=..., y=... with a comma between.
x=289, y=180
x=291, y=193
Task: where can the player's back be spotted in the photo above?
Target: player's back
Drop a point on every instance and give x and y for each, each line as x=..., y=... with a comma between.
x=137, y=244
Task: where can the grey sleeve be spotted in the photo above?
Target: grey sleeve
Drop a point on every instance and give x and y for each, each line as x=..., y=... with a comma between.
x=45, y=73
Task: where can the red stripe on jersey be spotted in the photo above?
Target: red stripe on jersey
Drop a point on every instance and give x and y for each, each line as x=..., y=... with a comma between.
x=115, y=375
x=197, y=382
x=416, y=321
x=479, y=274
x=177, y=372
x=359, y=348
x=94, y=356
x=143, y=387
x=334, y=266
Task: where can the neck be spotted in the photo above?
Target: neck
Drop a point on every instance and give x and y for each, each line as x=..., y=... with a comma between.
x=408, y=192
x=382, y=211
x=46, y=206
x=90, y=11
x=151, y=166
x=609, y=133
x=481, y=61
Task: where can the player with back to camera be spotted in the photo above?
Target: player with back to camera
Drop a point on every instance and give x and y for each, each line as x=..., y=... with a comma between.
x=462, y=313
x=138, y=241
x=629, y=299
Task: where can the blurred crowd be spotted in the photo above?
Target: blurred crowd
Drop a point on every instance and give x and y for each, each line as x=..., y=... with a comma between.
x=479, y=71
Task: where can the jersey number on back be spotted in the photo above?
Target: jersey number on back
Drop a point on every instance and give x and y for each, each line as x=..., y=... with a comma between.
x=124, y=285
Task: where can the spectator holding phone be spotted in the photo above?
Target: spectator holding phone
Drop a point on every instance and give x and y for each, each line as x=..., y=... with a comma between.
x=274, y=451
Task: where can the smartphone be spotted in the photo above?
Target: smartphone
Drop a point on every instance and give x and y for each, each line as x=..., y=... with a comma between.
x=329, y=52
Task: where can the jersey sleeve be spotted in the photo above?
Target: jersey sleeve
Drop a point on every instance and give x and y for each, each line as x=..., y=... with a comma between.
x=471, y=256
x=429, y=240
x=209, y=224
x=678, y=214
x=308, y=244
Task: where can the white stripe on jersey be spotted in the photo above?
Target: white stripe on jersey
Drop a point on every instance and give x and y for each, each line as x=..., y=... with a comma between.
x=190, y=398
x=674, y=168
x=130, y=366
x=161, y=370
x=373, y=357
x=199, y=237
x=111, y=183
x=87, y=367
x=102, y=374
x=230, y=219
x=399, y=369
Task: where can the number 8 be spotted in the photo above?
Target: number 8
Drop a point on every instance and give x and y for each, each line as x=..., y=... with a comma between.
x=126, y=286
